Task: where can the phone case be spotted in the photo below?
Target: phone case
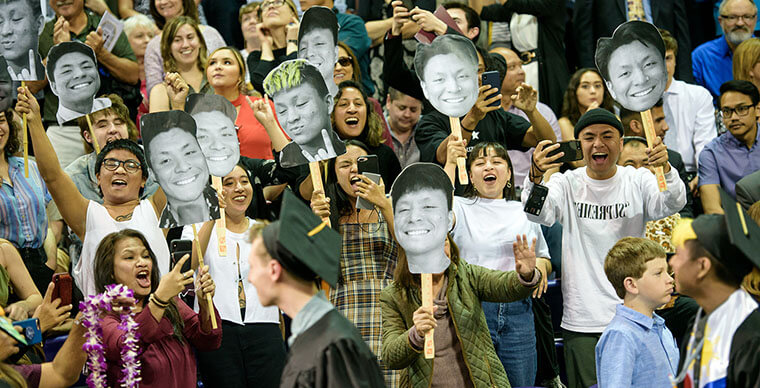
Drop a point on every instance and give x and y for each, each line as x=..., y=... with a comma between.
x=536, y=200
x=30, y=330
x=492, y=78
x=63, y=288
x=362, y=203
x=572, y=150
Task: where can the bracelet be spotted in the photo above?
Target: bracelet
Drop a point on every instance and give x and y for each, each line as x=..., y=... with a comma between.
x=294, y=41
x=466, y=130
x=158, y=302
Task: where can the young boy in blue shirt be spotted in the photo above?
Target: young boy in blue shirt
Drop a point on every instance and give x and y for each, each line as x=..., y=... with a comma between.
x=636, y=349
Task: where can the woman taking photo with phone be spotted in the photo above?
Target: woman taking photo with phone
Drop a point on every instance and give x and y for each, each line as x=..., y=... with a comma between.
x=168, y=329
x=368, y=252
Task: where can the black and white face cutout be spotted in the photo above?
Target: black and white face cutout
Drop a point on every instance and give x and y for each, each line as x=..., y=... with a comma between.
x=422, y=196
x=216, y=132
x=448, y=73
x=6, y=86
x=302, y=104
x=21, y=24
x=632, y=63
x=73, y=74
x=318, y=42
x=179, y=166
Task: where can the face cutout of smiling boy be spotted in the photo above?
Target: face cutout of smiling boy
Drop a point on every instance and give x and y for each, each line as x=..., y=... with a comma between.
x=448, y=73
x=176, y=160
x=73, y=74
x=21, y=23
x=302, y=104
x=632, y=63
x=318, y=43
x=422, y=199
x=216, y=133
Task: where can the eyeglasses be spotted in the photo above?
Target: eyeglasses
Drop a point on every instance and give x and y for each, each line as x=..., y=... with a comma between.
x=130, y=166
x=273, y=3
x=734, y=18
x=742, y=111
x=346, y=61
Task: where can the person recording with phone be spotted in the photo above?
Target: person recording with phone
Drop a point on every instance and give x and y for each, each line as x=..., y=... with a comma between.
x=368, y=252
x=597, y=205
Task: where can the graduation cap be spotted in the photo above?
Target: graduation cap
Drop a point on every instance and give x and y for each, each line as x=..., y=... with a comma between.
x=732, y=238
x=303, y=243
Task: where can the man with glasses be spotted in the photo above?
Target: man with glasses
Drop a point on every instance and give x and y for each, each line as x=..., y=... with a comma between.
x=712, y=61
x=734, y=154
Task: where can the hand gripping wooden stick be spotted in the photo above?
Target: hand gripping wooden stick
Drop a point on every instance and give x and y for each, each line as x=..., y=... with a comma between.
x=646, y=118
x=456, y=129
x=200, y=263
x=316, y=182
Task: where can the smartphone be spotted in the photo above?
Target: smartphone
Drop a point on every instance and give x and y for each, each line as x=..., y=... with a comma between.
x=368, y=163
x=63, y=288
x=572, y=150
x=408, y=4
x=180, y=248
x=536, y=200
x=30, y=330
x=362, y=203
x=492, y=78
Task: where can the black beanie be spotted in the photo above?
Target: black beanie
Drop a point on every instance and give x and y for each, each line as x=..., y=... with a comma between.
x=598, y=116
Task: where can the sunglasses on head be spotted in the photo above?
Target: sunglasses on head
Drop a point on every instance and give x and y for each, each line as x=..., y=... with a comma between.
x=345, y=61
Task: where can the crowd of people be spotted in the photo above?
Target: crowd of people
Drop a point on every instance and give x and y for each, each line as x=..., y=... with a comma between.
x=649, y=238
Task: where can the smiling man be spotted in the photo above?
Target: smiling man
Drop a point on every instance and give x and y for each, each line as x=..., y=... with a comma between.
x=21, y=23
x=318, y=42
x=176, y=159
x=735, y=154
x=597, y=205
x=73, y=75
x=402, y=112
x=632, y=64
x=303, y=103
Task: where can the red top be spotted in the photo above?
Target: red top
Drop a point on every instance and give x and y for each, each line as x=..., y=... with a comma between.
x=165, y=362
x=254, y=140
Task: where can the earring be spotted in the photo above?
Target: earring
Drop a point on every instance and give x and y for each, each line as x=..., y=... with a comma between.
x=509, y=185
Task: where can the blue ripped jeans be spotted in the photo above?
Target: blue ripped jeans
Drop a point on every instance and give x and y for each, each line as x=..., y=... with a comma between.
x=514, y=338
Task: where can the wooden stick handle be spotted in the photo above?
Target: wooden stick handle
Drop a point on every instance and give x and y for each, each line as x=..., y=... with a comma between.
x=456, y=129
x=25, y=140
x=646, y=118
x=92, y=135
x=221, y=223
x=427, y=301
x=316, y=182
x=200, y=263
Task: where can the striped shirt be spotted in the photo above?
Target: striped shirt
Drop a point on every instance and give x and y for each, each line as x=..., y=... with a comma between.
x=23, y=220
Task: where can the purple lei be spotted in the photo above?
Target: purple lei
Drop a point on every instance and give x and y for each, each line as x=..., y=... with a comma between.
x=96, y=360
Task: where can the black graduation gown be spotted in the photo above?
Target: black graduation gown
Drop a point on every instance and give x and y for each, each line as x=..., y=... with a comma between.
x=744, y=356
x=331, y=353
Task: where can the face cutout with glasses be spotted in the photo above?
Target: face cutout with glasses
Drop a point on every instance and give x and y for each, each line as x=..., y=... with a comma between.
x=131, y=166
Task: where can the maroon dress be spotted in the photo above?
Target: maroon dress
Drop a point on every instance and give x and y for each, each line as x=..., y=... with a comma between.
x=165, y=362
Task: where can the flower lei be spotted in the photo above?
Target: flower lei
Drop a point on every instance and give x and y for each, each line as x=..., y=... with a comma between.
x=93, y=346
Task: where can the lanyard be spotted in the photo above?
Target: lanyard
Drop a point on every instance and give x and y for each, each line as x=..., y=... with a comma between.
x=694, y=353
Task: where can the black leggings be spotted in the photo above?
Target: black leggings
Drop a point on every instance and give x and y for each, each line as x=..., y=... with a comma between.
x=35, y=259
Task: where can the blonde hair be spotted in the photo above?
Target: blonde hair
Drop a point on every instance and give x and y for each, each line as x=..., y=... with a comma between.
x=746, y=55
x=628, y=258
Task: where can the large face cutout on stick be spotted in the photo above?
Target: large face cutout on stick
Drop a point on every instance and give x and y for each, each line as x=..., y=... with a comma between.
x=422, y=199
x=176, y=160
x=73, y=74
x=21, y=24
x=632, y=63
x=215, y=131
x=318, y=42
x=448, y=73
x=302, y=104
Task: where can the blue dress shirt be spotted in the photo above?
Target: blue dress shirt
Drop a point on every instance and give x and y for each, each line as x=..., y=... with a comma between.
x=711, y=64
x=635, y=351
x=726, y=159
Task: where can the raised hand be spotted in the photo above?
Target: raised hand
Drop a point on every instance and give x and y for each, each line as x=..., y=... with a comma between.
x=95, y=40
x=400, y=17
x=658, y=155
x=541, y=161
x=481, y=107
x=526, y=98
x=427, y=21
x=27, y=104
x=372, y=192
x=544, y=266
x=265, y=35
x=61, y=31
x=262, y=111
x=320, y=204
x=174, y=281
x=525, y=257
x=204, y=285
x=50, y=312
x=424, y=320
x=177, y=89
x=455, y=149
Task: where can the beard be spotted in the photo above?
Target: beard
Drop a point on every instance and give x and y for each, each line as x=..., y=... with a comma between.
x=738, y=35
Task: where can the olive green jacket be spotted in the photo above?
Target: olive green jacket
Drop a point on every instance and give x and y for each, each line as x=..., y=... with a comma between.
x=468, y=286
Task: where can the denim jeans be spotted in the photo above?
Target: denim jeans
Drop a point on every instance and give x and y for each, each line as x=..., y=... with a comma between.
x=514, y=338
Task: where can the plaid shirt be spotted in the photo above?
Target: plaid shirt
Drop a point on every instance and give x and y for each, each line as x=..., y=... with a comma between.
x=23, y=220
x=367, y=260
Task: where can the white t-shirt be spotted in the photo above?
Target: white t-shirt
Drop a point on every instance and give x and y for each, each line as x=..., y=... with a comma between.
x=226, y=271
x=485, y=230
x=99, y=224
x=595, y=214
